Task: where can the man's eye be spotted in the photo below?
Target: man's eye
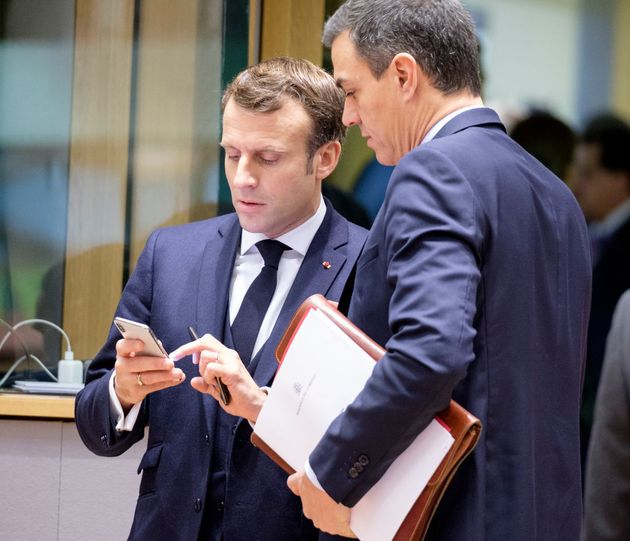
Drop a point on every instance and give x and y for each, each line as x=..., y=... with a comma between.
x=268, y=161
x=350, y=93
x=233, y=157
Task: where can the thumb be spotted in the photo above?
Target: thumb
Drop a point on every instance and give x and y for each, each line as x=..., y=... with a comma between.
x=294, y=484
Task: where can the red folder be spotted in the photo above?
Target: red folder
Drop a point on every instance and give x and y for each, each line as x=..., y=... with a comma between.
x=464, y=427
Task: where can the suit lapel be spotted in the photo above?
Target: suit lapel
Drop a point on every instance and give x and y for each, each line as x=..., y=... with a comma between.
x=215, y=274
x=313, y=277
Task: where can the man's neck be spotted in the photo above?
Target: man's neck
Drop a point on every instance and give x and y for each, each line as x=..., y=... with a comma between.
x=430, y=111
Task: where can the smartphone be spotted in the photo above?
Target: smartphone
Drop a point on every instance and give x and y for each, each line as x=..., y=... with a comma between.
x=133, y=329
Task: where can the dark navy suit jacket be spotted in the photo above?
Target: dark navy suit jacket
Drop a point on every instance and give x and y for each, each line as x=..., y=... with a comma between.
x=183, y=278
x=611, y=278
x=476, y=277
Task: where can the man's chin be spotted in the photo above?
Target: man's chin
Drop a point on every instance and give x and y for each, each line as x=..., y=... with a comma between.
x=385, y=158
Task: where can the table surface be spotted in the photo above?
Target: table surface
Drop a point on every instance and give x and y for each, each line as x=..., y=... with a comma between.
x=41, y=406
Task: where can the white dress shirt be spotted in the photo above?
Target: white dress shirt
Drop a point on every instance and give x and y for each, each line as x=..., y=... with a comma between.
x=247, y=265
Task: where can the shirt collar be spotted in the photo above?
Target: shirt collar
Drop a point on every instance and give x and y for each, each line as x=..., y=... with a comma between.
x=442, y=122
x=612, y=222
x=298, y=239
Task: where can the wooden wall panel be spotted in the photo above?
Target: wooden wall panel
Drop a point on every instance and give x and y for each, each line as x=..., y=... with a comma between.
x=98, y=170
x=293, y=28
x=164, y=123
x=253, y=49
x=177, y=117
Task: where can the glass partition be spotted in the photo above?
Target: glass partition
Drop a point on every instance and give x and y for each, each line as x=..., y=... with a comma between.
x=109, y=128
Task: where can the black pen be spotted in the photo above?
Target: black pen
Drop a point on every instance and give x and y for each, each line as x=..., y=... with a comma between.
x=224, y=393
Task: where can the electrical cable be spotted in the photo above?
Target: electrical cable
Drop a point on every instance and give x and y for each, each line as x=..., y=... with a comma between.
x=53, y=325
x=27, y=353
x=69, y=355
x=17, y=363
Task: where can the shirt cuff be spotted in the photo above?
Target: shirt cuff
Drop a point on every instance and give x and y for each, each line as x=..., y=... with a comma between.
x=123, y=424
x=311, y=475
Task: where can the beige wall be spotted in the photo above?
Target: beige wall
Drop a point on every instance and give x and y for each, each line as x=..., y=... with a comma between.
x=621, y=61
x=54, y=489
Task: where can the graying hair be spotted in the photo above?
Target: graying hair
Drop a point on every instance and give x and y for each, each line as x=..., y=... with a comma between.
x=439, y=34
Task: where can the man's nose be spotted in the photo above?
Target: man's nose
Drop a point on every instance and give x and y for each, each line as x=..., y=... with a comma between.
x=245, y=176
x=350, y=114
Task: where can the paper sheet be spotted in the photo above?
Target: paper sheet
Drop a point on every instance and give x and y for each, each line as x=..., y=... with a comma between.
x=322, y=372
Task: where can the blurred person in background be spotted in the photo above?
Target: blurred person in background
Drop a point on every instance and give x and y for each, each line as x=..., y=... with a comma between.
x=601, y=183
x=548, y=139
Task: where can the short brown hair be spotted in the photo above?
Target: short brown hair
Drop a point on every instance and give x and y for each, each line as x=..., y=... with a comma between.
x=266, y=86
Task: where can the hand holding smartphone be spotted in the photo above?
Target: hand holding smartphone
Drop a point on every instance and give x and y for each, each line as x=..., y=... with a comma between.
x=139, y=331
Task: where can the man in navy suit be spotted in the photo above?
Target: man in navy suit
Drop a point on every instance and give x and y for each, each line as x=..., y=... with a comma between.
x=201, y=477
x=475, y=276
x=601, y=183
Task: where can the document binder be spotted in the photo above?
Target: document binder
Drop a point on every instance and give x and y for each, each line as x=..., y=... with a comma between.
x=464, y=427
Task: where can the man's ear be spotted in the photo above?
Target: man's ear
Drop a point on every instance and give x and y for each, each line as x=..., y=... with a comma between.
x=326, y=159
x=406, y=72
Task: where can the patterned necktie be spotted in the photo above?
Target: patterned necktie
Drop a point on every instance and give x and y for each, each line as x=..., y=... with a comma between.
x=250, y=315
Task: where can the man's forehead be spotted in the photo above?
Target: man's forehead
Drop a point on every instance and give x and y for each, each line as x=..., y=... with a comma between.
x=348, y=66
x=277, y=130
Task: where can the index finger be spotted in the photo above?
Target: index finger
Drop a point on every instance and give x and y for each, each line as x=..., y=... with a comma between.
x=206, y=342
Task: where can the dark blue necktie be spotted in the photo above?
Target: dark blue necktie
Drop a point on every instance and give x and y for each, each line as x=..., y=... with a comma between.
x=250, y=315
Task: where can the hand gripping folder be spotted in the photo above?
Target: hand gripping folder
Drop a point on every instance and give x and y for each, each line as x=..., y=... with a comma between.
x=463, y=427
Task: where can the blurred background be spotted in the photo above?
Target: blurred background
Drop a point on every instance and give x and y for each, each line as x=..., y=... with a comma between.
x=110, y=121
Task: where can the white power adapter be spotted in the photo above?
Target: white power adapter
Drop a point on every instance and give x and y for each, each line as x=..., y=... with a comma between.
x=69, y=370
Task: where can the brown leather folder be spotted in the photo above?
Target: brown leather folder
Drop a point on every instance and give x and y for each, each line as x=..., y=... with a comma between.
x=464, y=427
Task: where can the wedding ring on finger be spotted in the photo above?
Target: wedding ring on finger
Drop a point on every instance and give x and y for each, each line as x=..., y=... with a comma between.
x=216, y=356
x=139, y=380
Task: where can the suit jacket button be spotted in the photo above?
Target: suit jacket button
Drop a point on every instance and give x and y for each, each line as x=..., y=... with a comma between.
x=197, y=505
x=206, y=438
x=352, y=472
x=363, y=460
x=358, y=467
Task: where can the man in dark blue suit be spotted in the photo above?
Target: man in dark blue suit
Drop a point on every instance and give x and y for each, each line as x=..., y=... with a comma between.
x=475, y=276
x=201, y=477
x=601, y=183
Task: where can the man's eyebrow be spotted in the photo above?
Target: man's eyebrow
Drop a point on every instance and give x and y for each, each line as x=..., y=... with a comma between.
x=265, y=148
x=340, y=81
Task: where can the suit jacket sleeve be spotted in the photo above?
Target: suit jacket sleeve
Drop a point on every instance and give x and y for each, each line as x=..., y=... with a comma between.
x=423, y=252
x=607, y=490
x=92, y=409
